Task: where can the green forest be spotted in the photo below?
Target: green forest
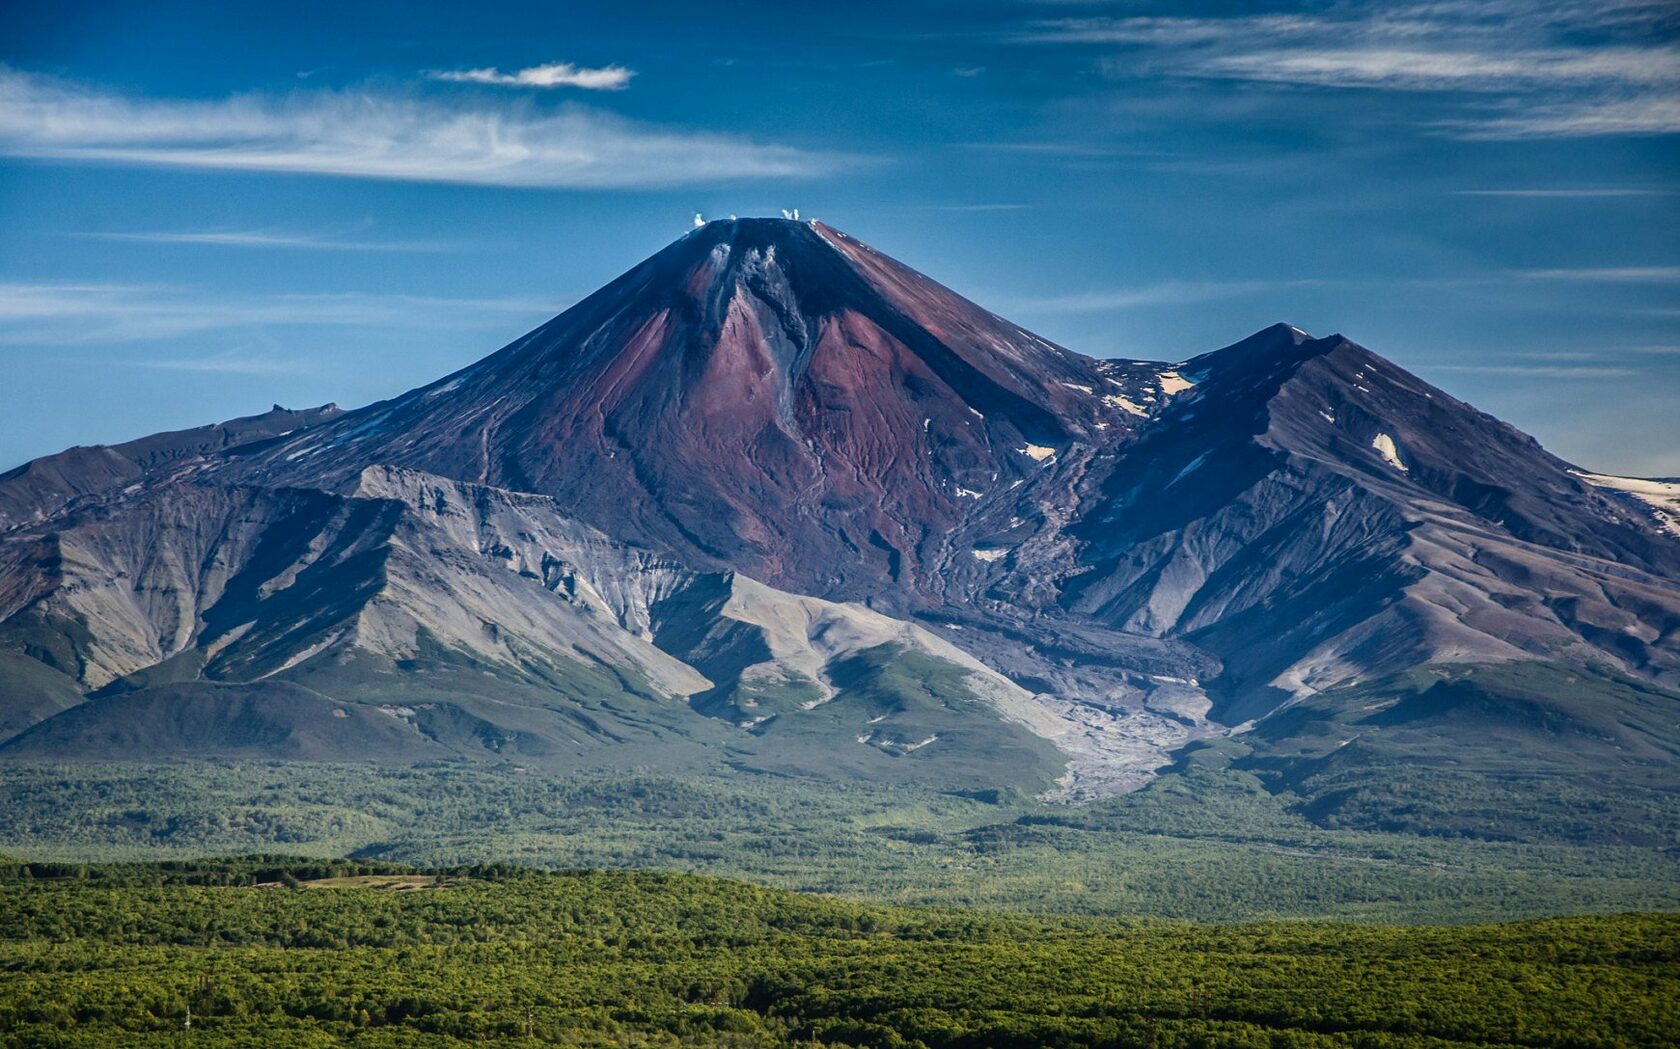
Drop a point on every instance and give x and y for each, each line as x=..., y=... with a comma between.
x=268, y=951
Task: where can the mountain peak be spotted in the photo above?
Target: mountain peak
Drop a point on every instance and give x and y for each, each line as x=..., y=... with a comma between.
x=754, y=394
x=1275, y=343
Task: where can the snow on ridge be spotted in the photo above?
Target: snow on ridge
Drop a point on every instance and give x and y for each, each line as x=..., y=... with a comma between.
x=1663, y=497
x=1384, y=444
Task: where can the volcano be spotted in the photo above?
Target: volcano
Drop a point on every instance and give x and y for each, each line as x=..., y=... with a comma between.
x=774, y=499
x=760, y=395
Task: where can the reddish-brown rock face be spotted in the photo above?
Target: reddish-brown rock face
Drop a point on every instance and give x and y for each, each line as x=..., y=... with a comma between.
x=768, y=395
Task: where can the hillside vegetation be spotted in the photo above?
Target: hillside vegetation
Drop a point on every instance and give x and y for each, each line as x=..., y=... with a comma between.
x=1202, y=843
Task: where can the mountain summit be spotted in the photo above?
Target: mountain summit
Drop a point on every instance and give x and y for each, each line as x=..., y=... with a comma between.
x=774, y=499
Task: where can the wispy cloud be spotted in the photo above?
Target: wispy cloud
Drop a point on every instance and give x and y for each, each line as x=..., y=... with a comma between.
x=553, y=74
x=1165, y=293
x=1561, y=68
x=1168, y=31
x=978, y=207
x=1635, y=116
x=1071, y=150
x=1564, y=192
x=1535, y=371
x=232, y=362
x=261, y=239
x=1435, y=69
x=1611, y=274
x=369, y=135
x=67, y=313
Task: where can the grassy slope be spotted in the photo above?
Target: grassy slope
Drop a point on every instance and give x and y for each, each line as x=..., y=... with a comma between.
x=1203, y=844
x=1518, y=752
x=626, y=959
x=553, y=715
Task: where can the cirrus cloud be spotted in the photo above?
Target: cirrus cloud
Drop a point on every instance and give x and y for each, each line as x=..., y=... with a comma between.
x=553, y=74
x=1514, y=69
x=366, y=134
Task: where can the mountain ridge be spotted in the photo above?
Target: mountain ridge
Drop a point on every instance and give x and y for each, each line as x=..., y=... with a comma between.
x=770, y=419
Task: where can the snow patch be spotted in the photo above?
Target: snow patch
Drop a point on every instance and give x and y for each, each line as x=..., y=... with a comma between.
x=1037, y=452
x=1172, y=382
x=989, y=554
x=1076, y=386
x=1114, y=400
x=1384, y=444
x=971, y=493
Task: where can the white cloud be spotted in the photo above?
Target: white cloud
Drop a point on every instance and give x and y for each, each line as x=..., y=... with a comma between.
x=369, y=135
x=554, y=74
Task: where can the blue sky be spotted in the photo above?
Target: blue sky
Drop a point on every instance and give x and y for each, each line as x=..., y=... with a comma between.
x=207, y=209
